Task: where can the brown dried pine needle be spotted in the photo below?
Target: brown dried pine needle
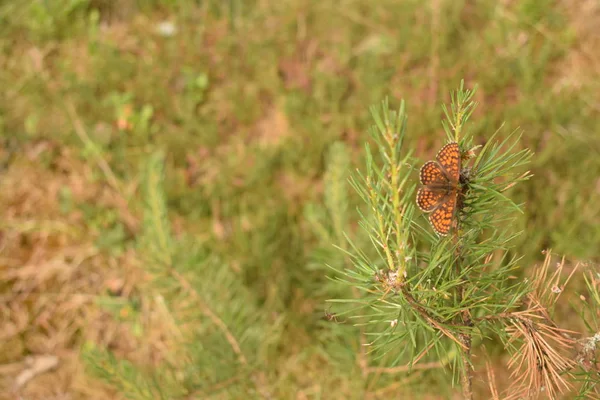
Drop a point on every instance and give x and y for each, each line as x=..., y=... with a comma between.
x=538, y=364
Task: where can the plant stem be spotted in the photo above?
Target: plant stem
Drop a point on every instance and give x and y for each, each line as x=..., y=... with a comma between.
x=465, y=338
x=467, y=377
x=466, y=321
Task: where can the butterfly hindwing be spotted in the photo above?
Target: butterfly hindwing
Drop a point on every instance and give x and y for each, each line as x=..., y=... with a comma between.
x=428, y=199
x=441, y=217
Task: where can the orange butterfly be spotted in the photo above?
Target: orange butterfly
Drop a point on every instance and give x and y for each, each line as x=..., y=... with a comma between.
x=439, y=194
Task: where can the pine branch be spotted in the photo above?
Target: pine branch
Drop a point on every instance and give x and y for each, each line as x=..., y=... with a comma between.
x=212, y=316
x=462, y=107
x=220, y=326
x=336, y=196
x=438, y=292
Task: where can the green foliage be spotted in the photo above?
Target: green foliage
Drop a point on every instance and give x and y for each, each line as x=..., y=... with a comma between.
x=43, y=19
x=155, y=241
x=251, y=122
x=219, y=329
x=329, y=221
x=131, y=381
x=427, y=297
x=336, y=193
x=587, y=307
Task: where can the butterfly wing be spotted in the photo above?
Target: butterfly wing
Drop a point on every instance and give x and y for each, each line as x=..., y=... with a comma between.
x=432, y=173
x=440, y=192
x=429, y=198
x=441, y=217
x=449, y=159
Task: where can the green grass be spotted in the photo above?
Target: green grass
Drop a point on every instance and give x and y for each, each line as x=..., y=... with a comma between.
x=255, y=104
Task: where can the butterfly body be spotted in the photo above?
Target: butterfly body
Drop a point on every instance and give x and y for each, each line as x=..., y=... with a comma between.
x=441, y=186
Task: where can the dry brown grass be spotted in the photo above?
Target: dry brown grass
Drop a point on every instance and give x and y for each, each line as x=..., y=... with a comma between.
x=51, y=272
x=581, y=67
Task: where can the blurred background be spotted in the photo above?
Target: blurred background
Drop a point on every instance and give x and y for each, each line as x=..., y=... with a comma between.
x=260, y=110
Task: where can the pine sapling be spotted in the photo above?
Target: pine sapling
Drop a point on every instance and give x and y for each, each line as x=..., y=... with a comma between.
x=438, y=278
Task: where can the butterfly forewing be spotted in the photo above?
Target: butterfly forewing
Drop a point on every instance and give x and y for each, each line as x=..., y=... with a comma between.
x=441, y=217
x=428, y=199
x=431, y=173
x=449, y=158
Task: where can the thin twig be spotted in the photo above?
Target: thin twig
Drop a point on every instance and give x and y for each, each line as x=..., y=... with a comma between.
x=492, y=380
x=398, y=384
x=429, y=318
x=467, y=377
x=423, y=353
x=258, y=378
x=405, y=368
x=130, y=221
x=81, y=132
x=465, y=315
x=35, y=366
x=213, y=317
x=214, y=388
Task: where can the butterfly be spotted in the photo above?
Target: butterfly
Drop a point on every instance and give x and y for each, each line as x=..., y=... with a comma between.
x=440, y=190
